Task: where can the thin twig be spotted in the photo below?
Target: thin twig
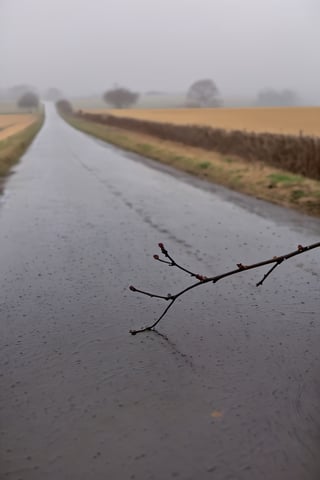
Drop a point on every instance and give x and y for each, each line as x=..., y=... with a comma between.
x=203, y=279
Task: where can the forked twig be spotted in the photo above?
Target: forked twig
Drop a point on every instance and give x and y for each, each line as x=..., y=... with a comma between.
x=275, y=261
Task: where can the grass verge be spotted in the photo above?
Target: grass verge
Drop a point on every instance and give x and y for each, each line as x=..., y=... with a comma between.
x=14, y=146
x=252, y=178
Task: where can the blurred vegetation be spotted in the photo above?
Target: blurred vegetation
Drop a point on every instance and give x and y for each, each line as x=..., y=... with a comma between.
x=29, y=101
x=64, y=106
x=237, y=173
x=297, y=154
x=13, y=147
x=203, y=94
x=269, y=97
x=120, y=97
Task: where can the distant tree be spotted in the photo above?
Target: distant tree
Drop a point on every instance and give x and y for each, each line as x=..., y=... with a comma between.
x=269, y=97
x=64, y=106
x=15, y=92
x=53, y=94
x=203, y=93
x=120, y=97
x=28, y=100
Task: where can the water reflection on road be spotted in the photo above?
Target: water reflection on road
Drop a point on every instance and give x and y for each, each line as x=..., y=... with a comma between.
x=229, y=386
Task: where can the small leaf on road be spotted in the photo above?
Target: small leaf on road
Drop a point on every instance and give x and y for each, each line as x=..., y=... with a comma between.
x=216, y=414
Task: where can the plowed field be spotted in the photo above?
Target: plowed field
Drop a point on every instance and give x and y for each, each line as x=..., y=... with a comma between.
x=293, y=120
x=12, y=124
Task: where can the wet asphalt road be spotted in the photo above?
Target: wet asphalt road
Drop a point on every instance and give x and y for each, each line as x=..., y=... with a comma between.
x=230, y=386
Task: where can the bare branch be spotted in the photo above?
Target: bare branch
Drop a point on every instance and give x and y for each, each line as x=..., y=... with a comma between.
x=276, y=261
x=268, y=273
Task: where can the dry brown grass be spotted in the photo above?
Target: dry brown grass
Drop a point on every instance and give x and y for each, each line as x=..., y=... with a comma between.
x=12, y=146
x=291, y=120
x=253, y=178
x=13, y=124
x=297, y=154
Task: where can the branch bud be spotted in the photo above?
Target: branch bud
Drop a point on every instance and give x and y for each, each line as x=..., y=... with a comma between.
x=202, y=278
x=300, y=248
x=132, y=288
x=240, y=266
x=156, y=257
x=163, y=250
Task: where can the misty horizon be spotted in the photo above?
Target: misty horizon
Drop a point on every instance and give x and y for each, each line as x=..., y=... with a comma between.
x=86, y=48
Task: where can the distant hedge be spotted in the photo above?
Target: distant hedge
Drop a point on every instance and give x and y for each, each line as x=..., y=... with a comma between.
x=64, y=106
x=298, y=154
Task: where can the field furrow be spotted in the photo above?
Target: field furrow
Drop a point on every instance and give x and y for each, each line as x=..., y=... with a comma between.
x=291, y=120
x=12, y=124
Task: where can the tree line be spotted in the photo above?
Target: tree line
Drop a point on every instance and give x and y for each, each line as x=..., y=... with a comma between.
x=202, y=93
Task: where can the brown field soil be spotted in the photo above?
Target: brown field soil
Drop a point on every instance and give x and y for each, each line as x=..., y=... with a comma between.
x=253, y=178
x=14, y=144
x=290, y=120
x=13, y=124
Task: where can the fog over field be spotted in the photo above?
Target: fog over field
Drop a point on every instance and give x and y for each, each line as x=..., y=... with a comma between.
x=84, y=47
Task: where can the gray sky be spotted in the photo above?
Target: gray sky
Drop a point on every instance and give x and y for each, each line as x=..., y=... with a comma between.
x=85, y=46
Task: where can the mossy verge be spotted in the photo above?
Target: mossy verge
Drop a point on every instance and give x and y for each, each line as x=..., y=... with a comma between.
x=13, y=147
x=252, y=178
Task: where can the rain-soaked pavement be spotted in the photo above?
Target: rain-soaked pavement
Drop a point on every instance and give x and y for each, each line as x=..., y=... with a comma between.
x=230, y=386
